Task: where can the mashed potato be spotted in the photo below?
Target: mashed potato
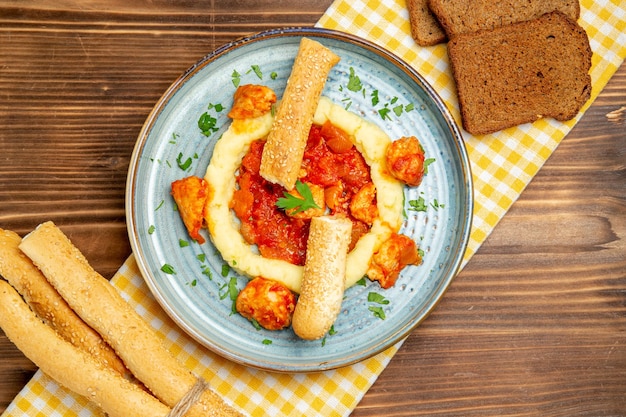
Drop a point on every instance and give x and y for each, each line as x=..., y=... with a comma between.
x=223, y=225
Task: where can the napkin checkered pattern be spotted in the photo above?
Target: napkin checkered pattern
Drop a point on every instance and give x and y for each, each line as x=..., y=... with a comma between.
x=502, y=164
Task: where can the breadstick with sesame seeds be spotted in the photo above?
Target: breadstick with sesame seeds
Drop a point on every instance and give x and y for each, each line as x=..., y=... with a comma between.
x=70, y=366
x=324, y=276
x=101, y=306
x=46, y=302
x=284, y=149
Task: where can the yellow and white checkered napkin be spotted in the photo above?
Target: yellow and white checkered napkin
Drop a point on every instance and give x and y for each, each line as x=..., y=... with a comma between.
x=503, y=164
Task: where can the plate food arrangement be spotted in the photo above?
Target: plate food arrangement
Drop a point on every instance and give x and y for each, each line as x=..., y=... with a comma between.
x=195, y=140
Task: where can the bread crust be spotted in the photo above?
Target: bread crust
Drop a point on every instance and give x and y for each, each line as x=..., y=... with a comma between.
x=425, y=28
x=521, y=72
x=323, y=279
x=463, y=16
x=46, y=302
x=70, y=366
x=98, y=303
x=282, y=155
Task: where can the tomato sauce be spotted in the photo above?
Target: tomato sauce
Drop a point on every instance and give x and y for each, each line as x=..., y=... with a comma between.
x=330, y=161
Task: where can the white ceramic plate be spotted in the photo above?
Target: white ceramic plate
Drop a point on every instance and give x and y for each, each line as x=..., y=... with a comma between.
x=194, y=295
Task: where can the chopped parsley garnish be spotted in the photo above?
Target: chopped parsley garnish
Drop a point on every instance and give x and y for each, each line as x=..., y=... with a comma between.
x=418, y=205
x=183, y=165
x=160, y=205
x=291, y=202
x=183, y=243
x=378, y=312
x=436, y=205
x=374, y=297
x=354, y=82
x=225, y=270
x=168, y=269
x=151, y=229
x=257, y=71
x=207, y=124
x=274, y=75
x=236, y=77
x=375, y=99
x=384, y=113
x=267, y=342
x=201, y=257
x=427, y=162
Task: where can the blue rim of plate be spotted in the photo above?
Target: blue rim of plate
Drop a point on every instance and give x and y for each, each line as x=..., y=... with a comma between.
x=194, y=296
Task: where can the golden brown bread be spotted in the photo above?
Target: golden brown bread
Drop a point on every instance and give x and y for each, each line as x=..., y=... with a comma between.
x=425, y=28
x=282, y=154
x=464, y=16
x=70, y=366
x=521, y=72
x=46, y=302
x=98, y=303
x=323, y=279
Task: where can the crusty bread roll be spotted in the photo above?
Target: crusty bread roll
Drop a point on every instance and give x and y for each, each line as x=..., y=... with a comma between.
x=282, y=155
x=98, y=303
x=323, y=279
x=46, y=302
x=70, y=366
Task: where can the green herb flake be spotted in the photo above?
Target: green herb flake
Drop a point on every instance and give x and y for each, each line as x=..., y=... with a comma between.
x=374, y=297
x=160, y=205
x=151, y=229
x=375, y=99
x=257, y=71
x=418, y=205
x=267, y=342
x=168, y=269
x=183, y=165
x=183, y=243
x=378, y=312
x=291, y=202
x=193, y=283
x=409, y=107
x=207, y=124
x=201, y=257
x=427, y=162
x=398, y=110
x=384, y=113
x=354, y=82
x=274, y=75
x=225, y=270
x=236, y=78
x=207, y=271
x=217, y=107
x=362, y=282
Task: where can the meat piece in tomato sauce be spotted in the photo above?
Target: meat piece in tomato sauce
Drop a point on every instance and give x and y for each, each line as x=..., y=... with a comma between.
x=277, y=235
x=330, y=163
x=267, y=302
x=405, y=160
x=393, y=255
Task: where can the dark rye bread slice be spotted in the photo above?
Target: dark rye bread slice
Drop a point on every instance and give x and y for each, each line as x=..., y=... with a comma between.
x=425, y=28
x=463, y=16
x=521, y=72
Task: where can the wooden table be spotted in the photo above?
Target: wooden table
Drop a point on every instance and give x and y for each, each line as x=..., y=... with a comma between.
x=535, y=325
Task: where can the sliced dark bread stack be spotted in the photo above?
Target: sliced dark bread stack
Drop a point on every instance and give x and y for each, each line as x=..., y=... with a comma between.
x=521, y=72
x=463, y=16
x=513, y=61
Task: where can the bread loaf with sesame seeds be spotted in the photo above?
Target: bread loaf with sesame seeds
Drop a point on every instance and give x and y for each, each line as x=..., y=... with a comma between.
x=70, y=366
x=463, y=16
x=99, y=304
x=284, y=149
x=323, y=279
x=46, y=302
x=521, y=72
